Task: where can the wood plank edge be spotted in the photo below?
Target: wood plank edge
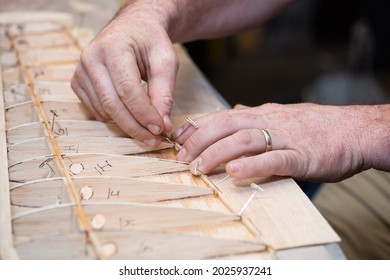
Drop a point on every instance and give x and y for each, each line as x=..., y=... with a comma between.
x=7, y=250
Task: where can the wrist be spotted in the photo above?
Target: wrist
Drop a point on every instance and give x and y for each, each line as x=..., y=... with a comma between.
x=157, y=11
x=375, y=137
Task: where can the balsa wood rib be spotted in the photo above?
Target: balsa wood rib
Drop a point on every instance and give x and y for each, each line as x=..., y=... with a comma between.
x=29, y=131
x=40, y=193
x=81, y=144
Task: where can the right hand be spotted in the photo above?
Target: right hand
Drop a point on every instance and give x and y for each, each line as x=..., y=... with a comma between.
x=133, y=47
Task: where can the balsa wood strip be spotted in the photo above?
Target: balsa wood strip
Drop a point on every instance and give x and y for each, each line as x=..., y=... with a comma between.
x=80, y=144
x=55, y=91
x=101, y=190
x=52, y=73
x=139, y=245
x=42, y=27
x=28, y=131
x=36, y=57
x=25, y=112
x=11, y=77
x=38, y=22
x=282, y=213
x=16, y=93
x=7, y=250
x=9, y=59
x=42, y=41
x=93, y=165
x=38, y=223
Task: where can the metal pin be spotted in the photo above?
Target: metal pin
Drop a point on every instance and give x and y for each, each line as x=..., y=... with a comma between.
x=196, y=168
x=223, y=179
x=205, y=178
x=257, y=188
x=191, y=121
x=175, y=144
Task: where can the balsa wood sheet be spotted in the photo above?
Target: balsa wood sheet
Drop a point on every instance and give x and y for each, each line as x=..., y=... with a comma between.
x=76, y=188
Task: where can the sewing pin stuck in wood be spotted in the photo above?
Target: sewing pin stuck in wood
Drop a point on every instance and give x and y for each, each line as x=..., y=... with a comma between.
x=257, y=189
x=223, y=179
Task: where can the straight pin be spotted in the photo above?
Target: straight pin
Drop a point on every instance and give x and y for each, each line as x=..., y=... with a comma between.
x=205, y=178
x=257, y=188
x=223, y=179
x=196, y=168
x=175, y=144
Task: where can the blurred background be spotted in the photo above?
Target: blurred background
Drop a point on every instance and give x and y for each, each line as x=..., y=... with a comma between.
x=322, y=51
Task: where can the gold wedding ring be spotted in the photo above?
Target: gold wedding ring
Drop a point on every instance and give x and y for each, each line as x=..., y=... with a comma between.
x=268, y=141
x=191, y=122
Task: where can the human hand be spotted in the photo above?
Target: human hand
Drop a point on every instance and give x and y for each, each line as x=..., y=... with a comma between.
x=133, y=47
x=309, y=142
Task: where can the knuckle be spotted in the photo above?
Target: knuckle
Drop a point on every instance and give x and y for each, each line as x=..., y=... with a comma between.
x=243, y=137
x=271, y=106
x=169, y=58
x=85, y=57
x=193, y=141
x=123, y=88
x=164, y=102
x=226, y=121
x=109, y=106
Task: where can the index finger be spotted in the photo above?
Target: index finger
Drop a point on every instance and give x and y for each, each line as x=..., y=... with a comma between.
x=126, y=78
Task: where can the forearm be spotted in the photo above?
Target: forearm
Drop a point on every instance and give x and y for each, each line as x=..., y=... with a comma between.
x=187, y=20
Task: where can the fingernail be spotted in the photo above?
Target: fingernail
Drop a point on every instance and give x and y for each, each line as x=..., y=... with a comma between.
x=152, y=142
x=177, y=133
x=155, y=129
x=235, y=167
x=182, y=154
x=168, y=123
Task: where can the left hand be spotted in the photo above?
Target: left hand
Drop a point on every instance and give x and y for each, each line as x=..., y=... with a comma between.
x=309, y=142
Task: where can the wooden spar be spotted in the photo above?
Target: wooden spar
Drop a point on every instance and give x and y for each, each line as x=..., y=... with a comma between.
x=60, y=128
x=80, y=144
x=144, y=245
x=46, y=192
